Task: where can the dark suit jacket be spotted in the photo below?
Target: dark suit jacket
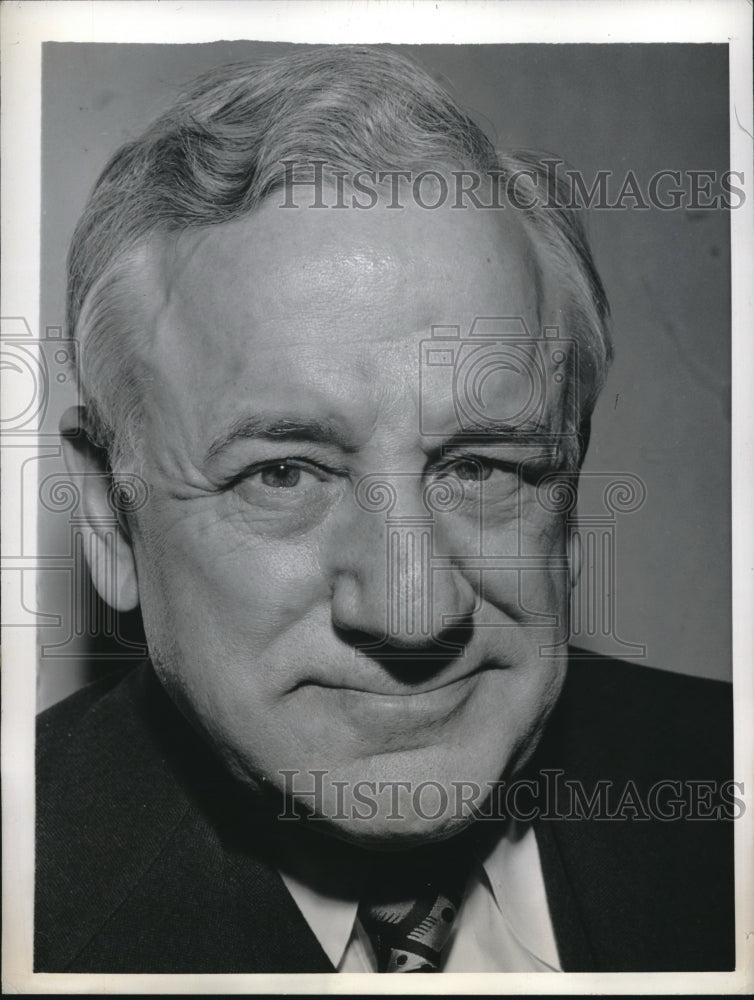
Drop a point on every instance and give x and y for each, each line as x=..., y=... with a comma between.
x=149, y=859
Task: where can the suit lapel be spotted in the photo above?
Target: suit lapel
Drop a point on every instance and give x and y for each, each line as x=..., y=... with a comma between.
x=165, y=874
x=574, y=949
x=630, y=892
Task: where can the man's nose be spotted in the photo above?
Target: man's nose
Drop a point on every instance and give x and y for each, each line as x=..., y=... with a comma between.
x=385, y=586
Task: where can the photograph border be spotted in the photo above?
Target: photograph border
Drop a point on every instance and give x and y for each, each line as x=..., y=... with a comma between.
x=25, y=27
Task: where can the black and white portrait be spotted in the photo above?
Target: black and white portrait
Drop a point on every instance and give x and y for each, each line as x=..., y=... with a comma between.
x=380, y=460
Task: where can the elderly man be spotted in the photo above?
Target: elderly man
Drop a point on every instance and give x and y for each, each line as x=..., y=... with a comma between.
x=351, y=353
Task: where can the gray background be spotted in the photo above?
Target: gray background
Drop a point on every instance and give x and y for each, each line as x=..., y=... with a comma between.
x=665, y=414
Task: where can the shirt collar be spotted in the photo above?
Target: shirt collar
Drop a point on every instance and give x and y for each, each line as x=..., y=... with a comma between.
x=331, y=918
x=513, y=874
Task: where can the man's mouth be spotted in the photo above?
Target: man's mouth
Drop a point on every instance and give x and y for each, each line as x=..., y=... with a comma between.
x=405, y=715
x=394, y=684
x=382, y=709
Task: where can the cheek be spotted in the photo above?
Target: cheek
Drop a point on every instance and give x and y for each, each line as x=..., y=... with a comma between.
x=208, y=578
x=521, y=554
x=543, y=591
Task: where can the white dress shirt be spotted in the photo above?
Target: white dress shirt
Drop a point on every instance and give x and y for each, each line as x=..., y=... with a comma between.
x=503, y=924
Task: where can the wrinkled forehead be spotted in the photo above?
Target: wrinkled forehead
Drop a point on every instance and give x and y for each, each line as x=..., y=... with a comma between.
x=347, y=307
x=334, y=264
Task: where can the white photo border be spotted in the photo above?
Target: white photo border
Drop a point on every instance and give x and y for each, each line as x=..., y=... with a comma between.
x=25, y=26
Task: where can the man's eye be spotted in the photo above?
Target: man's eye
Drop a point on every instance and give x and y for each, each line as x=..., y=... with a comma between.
x=470, y=470
x=287, y=473
x=282, y=475
x=294, y=486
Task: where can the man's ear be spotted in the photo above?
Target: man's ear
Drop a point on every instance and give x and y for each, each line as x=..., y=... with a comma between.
x=108, y=548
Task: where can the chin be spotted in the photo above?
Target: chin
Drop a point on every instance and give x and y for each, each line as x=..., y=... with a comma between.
x=382, y=834
x=399, y=800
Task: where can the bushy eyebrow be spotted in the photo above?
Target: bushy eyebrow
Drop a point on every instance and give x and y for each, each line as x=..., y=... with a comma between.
x=280, y=428
x=501, y=432
x=549, y=446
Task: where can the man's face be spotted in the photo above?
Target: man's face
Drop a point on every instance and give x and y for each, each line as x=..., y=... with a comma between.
x=287, y=365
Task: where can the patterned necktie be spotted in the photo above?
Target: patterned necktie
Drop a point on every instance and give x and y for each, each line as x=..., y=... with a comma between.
x=409, y=912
